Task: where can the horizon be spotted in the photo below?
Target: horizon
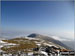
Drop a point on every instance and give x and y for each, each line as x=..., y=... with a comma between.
x=47, y=18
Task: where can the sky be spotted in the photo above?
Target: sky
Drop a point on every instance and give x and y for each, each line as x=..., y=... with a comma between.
x=52, y=18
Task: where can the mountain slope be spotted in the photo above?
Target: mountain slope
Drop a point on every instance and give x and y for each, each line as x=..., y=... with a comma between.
x=70, y=44
x=48, y=39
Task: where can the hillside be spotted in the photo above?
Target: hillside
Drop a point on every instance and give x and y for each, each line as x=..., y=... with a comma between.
x=50, y=39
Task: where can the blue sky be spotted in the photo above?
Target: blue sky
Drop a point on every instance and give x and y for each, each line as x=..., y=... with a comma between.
x=50, y=18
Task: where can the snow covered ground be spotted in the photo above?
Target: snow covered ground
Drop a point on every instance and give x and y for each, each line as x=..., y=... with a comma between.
x=2, y=43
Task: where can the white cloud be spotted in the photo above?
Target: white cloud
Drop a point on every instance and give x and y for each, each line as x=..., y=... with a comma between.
x=60, y=39
x=68, y=35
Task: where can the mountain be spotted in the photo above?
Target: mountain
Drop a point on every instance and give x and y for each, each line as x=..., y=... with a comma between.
x=50, y=39
x=70, y=44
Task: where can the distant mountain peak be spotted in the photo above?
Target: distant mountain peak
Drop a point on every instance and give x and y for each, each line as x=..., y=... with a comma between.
x=34, y=35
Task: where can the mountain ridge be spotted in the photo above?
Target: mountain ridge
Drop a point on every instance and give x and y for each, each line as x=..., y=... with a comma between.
x=50, y=39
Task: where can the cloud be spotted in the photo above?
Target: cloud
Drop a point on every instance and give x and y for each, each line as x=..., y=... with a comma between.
x=60, y=39
x=67, y=35
x=64, y=35
x=60, y=35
